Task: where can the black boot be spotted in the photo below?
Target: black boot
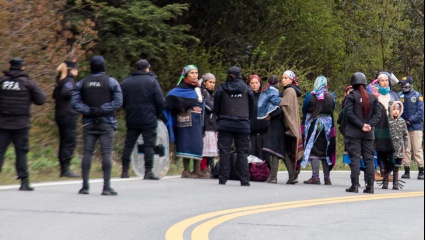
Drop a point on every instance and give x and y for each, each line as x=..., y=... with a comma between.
x=406, y=172
x=421, y=173
x=385, y=182
x=125, y=171
x=25, y=185
x=354, y=186
x=66, y=172
x=370, y=187
x=149, y=175
x=107, y=190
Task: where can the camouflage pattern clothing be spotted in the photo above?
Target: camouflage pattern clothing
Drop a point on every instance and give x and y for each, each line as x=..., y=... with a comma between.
x=398, y=129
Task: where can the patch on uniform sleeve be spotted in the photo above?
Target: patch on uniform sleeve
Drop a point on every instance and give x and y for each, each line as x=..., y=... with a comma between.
x=421, y=99
x=69, y=85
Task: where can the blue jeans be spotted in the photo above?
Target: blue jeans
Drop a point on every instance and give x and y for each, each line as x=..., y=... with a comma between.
x=105, y=133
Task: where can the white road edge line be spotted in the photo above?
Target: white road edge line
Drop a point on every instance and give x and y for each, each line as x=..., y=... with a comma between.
x=62, y=183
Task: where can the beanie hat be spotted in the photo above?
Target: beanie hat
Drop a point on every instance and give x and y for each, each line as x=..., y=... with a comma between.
x=97, y=64
x=71, y=64
x=142, y=64
x=235, y=71
x=16, y=63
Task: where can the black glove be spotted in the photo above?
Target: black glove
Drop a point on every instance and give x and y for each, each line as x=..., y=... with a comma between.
x=96, y=111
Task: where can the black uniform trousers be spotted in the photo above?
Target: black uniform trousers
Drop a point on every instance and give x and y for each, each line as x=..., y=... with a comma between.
x=149, y=141
x=19, y=137
x=243, y=145
x=357, y=149
x=67, y=125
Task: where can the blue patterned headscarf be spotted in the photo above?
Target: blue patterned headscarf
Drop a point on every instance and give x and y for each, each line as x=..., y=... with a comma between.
x=186, y=71
x=320, y=87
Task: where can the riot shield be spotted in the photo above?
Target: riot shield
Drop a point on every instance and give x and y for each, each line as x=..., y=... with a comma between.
x=162, y=154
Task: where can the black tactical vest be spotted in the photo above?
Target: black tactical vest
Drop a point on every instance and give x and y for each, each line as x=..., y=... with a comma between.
x=235, y=104
x=95, y=91
x=15, y=98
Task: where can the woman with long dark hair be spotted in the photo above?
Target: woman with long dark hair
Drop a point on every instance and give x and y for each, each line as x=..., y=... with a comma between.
x=363, y=113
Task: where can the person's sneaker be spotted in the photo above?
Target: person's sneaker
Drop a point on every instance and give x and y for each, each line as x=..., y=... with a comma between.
x=83, y=191
x=315, y=181
x=205, y=174
x=188, y=174
x=109, y=192
x=247, y=184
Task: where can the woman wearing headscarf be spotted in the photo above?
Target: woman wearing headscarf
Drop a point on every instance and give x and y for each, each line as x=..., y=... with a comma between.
x=384, y=95
x=210, y=125
x=363, y=113
x=292, y=120
x=66, y=118
x=184, y=104
x=318, y=129
x=284, y=134
x=258, y=126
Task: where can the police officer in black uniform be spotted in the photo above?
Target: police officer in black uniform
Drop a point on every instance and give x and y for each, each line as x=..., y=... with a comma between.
x=17, y=93
x=97, y=97
x=66, y=117
x=143, y=104
x=363, y=113
x=234, y=105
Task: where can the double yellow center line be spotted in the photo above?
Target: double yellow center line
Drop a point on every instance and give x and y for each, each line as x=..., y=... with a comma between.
x=201, y=232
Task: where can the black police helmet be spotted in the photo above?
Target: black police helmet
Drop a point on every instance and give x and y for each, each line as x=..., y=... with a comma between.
x=358, y=78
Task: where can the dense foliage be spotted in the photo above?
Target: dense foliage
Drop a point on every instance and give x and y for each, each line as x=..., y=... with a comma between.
x=313, y=37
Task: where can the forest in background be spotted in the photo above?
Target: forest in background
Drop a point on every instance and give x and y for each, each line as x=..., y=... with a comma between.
x=334, y=38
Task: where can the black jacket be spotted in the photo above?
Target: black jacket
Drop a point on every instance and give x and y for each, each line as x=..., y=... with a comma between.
x=29, y=93
x=210, y=118
x=62, y=95
x=233, y=123
x=355, y=118
x=258, y=125
x=143, y=100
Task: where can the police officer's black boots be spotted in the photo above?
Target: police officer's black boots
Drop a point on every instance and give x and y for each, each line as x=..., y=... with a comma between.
x=107, y=190
x=421, y=173
x=66, y=172
x=125, y=171
x=369, y=188
x=354, y=186
x=25, y=185
x=149, y=175
x=406, y=172
x=85, y=189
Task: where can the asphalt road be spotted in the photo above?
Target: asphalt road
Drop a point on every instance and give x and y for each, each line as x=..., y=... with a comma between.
x=187, y=209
